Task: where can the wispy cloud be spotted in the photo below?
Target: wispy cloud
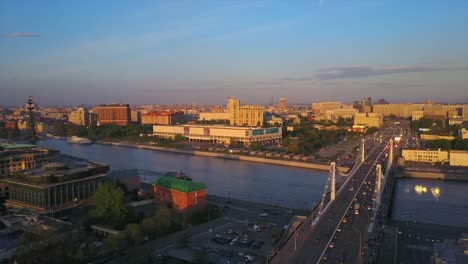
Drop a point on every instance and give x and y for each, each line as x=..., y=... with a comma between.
x=370, y=71
x=21, y=35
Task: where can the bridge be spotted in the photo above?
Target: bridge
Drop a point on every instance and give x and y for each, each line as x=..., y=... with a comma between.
x=335, y=232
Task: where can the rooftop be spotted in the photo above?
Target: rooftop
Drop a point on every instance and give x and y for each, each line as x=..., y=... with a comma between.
x=181, y=185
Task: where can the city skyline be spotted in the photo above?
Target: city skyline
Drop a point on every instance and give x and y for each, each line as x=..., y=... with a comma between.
x=176, y=53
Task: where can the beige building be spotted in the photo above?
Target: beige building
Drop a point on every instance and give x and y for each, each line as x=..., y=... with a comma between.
x=417, y=115
x=322, y=107
x=19, y=157
x=459, y=158
x=208, y=116
x=245, y=115
x=79, y=117
x=419, y=155
x=220, y=134
x=335, y=114
x=436, y=137
x=399, y=110
x=369, y=119
x=162, y=118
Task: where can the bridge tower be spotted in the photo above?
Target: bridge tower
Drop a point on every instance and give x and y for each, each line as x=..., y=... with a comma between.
x=390, y=157
x=363, y=152
x=333, y=180
x=379, y=177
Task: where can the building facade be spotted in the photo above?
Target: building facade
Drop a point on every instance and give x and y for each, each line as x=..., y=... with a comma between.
x=322, y=107
x=18, y=157
x=55, y=186
x=114, y=114
x=369, y=119
x=162, y=118
x=335, y=114
x=220, y=134
x=79, y=117
x=282, y=104
x=459, y=158
x=419, y=155
x=245, y=115
x=181, y=194
x=208, y=116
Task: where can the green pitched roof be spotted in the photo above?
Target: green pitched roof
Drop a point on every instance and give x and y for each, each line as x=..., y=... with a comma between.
x=16, y=146
x=180, y=184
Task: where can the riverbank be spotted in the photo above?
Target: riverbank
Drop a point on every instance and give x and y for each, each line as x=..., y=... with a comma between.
x=450, y=176
x=289, y=163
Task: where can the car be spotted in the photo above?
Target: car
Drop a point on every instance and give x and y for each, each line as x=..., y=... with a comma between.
x=351, y=189
x=263, y=215
x=344, y=220
x=289, y=211
x=338, y=229
x=325, y=257
x=332, y=245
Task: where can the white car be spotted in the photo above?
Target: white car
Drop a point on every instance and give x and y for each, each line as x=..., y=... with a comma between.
x=263, y=215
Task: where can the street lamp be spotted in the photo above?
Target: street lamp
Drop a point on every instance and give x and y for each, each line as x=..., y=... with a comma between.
x=360, y=245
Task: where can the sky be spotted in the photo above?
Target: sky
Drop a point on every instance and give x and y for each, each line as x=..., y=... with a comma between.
x=176, y=52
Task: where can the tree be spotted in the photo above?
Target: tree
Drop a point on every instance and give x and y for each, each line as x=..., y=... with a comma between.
x=114, y=242
x=256, y=146
x=163, y=220
x=149, y=226
x=134, y=234
x=179, y=138
x=110, y=205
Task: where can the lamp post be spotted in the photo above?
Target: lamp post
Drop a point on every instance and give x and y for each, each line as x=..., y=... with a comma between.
x=360, y=245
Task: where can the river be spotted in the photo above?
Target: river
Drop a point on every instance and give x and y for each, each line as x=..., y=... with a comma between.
x=272, y=184
x=431, y=201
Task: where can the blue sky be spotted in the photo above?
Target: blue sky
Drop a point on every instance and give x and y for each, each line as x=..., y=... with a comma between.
x=161, y=52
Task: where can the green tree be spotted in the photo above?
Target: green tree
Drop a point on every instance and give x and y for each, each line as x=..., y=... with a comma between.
x=134, y=233
x=256, y=146
x=163, y=220
x=149, y=226
x=110, y=205
x=179, y=138
x=114, y=242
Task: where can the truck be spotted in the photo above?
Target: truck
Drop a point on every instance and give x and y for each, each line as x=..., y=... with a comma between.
x=356, y=208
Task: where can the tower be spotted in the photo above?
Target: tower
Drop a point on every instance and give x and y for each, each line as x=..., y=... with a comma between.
x=30, y=106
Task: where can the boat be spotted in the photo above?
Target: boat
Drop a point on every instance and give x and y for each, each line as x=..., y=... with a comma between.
x=79, y=140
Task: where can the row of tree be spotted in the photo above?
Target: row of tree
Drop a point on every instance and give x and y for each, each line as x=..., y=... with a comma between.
x=130, y=131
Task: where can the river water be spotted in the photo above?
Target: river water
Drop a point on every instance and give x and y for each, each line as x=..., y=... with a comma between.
x=272, y=184
x=431, y=201
x=418, y=200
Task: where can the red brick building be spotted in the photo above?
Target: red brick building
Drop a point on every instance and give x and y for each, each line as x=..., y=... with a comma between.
x=114, y=114
x=181, y=194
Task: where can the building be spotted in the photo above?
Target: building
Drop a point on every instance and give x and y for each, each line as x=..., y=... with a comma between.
x=322, y=107
x=463, y=133
x=179, y=193
x=282, y=104
x=135, y=116
x=93, y=119
x=417, y=115
x=335, y=114
x=399, y=110
x=45, y=128
x=367, y=101
x=436, y=137
x=19, y=157
x=162, y=118
x=220, y=134
x=65, y=183
x=369, y=119
x=459, y=158
x=209, y=116
x=113, y=114
x=245, y=115
x=79, y=117
x=419, y=155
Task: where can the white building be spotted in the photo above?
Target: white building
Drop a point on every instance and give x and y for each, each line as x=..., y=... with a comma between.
x=220, y=134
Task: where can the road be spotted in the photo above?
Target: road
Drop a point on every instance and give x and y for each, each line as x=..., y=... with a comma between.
x=313, y=243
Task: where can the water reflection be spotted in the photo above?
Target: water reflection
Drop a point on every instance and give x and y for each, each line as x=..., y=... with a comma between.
x=421, y=189
x=435, y=192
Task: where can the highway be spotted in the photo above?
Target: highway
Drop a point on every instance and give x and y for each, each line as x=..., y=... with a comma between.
x=323, y=242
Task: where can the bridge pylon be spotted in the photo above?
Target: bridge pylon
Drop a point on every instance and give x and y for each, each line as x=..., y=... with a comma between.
x=391, y=151
x=333, y=181
x=363, y=152
x=379, y=177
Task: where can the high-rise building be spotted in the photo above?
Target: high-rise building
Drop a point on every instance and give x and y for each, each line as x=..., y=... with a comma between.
x=367, y=101
x=282, y=104
x=113, y=114
x=79, y=117
x=244, y=115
